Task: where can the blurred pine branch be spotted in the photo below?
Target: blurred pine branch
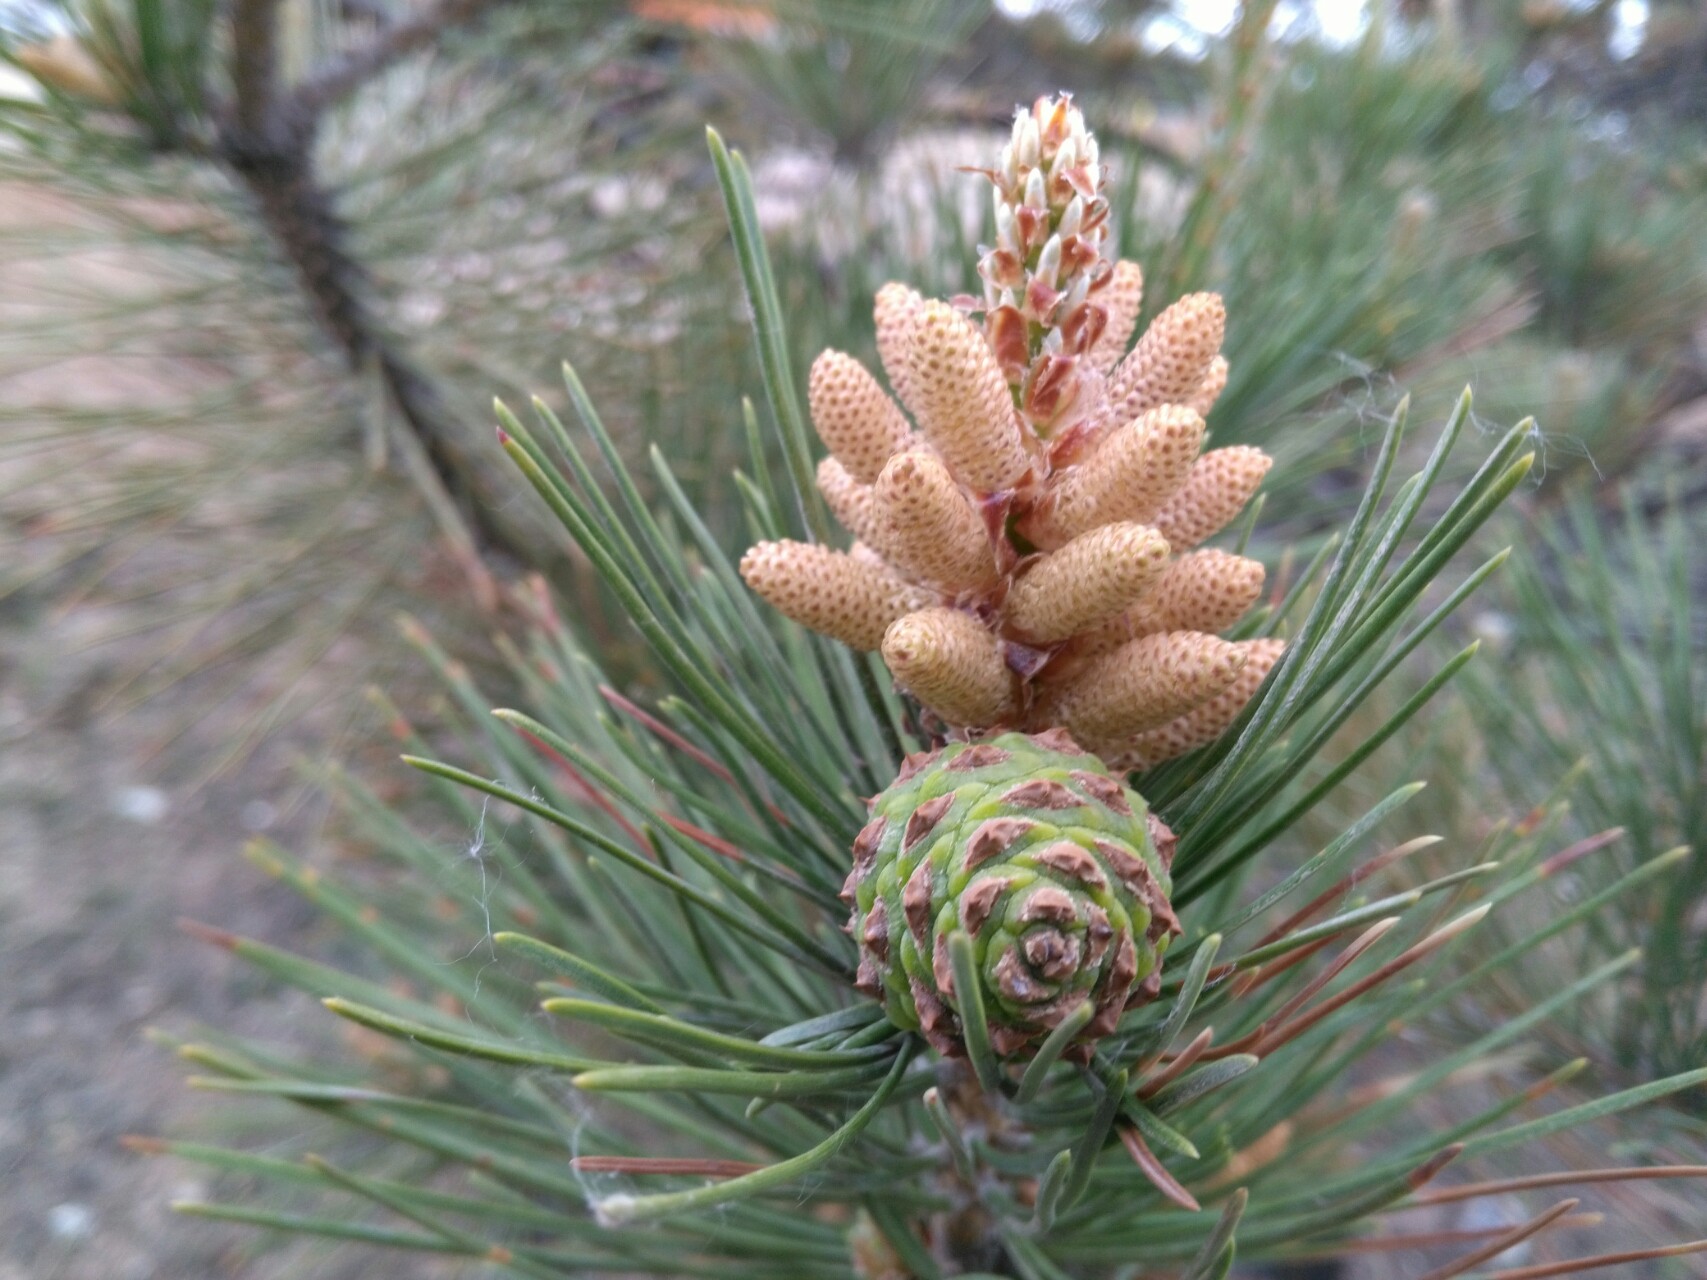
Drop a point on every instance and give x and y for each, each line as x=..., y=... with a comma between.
x=1600, y=632
x=247, y=376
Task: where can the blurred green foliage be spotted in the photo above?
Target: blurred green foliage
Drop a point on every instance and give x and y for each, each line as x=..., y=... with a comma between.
x=853, y=74
x=1598, y=638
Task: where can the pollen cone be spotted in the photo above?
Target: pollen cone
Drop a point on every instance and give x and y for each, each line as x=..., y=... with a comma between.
x=1129, y=477
x=896, y=309
x=854, y=416
x=1210, y=389
x=1220, y=484
x=1143, y=685
x=962, y=401
x=853, y=504
x=832, y=593
x=1086, y=583
x=1204, y=724
x=1122, y=298
x=951, y=663
x=929, y=527
x=1169, y=362
x=1201, y=591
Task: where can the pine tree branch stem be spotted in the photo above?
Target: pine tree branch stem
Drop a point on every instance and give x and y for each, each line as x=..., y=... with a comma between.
x=266, y=140
x=254, y=63
x=329, y=86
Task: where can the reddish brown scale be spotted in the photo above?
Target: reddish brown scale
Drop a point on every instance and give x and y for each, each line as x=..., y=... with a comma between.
x=1075, y=862
x=1042, y=794
x=1104, y=790
x=977, y=902
x=978, y=757
x=925, y=818
x=993, y=838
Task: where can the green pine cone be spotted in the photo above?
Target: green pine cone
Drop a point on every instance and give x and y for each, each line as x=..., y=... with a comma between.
x=1047, y=862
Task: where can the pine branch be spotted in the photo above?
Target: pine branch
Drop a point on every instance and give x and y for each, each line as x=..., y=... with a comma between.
x=332, y=84
x=254, y=64
x=267, y=141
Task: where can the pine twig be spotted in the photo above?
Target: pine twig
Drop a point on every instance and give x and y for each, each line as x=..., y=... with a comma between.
x=266, y=139
x=329, y=86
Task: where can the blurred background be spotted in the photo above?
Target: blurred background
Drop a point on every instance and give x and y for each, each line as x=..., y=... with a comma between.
x=265, y=263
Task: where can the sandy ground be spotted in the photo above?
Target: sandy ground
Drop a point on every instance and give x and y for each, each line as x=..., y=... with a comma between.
x=98, y=855
x=96, y=861
x=105, y=839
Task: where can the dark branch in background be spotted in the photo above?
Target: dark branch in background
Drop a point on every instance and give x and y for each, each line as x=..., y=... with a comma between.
x=326, y=88
x=364, y=11
x=267, y=140
x=254, y=63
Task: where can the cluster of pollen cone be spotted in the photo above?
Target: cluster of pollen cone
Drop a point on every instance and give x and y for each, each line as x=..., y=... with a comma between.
x=1027, y=518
